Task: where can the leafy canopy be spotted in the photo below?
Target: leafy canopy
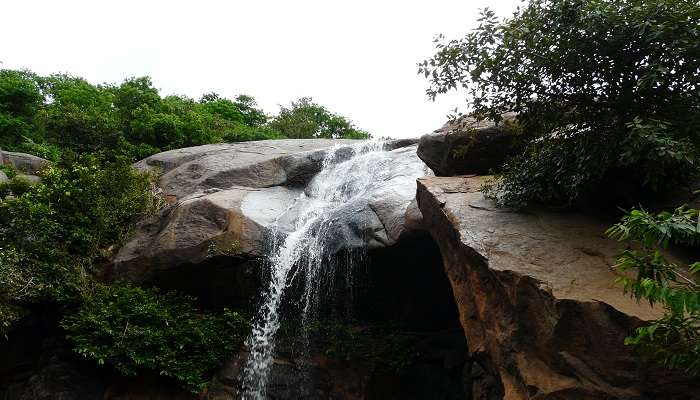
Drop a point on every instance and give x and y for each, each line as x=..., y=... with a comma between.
x=48, y=115
x=135, y=329
x=305, y=119
x=673, y=340
x=602, y=87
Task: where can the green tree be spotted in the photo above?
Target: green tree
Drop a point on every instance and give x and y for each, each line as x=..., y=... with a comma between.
x=133, y=94
x=305, y=119
x=78, y=115
x=603, y=88
x=221, y=107
x=252, y=115
x=20, y=100
x=673, y=340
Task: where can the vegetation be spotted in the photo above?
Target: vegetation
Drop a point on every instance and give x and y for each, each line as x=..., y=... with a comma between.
x=137, y=329
x=603, y=90
x=607, y=93
x=56, y=235
x=306, y=119
x=380, y=346
x=673, y=340
x=48, y=115
x=53, y=234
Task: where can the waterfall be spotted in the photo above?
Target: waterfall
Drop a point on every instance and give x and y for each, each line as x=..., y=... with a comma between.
x=304, y=244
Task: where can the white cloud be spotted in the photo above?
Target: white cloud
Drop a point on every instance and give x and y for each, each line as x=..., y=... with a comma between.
x=356, y=57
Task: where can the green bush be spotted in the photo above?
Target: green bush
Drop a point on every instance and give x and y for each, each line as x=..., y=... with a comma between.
x=604, y=89
x=306, y=119
x=135, y=330
x=48, y=115
x=59, y=227
x=673, y=340
x=20, y=99
x=245, y=133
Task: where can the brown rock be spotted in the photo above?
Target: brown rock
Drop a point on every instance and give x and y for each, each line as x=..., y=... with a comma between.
x=467, y=146
x=537, y=299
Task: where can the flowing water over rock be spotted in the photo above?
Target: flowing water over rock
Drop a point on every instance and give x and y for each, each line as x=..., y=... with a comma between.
x=326, y=217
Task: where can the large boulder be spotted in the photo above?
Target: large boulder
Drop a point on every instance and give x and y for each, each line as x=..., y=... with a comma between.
x=26, y=165
x=468, y=146
x=538, y=301
x=224, y=198
x=23, y=163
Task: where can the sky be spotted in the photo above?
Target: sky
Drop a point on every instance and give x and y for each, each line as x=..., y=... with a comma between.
x=358, y=58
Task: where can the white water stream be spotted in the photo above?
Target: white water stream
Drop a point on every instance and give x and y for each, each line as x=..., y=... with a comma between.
x=302, y=247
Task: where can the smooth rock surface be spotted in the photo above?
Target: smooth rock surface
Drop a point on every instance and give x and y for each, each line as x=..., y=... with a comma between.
x=467, y=146
x=258, y=164
x=538, y=301
x=25, y=163
x=225, y=197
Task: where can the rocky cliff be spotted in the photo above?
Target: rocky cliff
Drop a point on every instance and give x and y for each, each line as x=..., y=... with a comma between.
x=497, y=304
x=538, y=301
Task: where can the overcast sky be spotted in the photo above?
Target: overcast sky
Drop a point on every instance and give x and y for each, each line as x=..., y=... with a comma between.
x=357, y=57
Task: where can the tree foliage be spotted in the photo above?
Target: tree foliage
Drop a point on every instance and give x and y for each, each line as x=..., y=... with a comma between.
x=673, y=340
x=52, y=233
x=135, y=330
x=47, y=115
x=602, y=87
x=305, y=119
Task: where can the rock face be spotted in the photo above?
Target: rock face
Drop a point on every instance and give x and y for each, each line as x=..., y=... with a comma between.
x=537, y=300
x=224, y=197
x=467, y=146
x=23, y=163
x=26, y=165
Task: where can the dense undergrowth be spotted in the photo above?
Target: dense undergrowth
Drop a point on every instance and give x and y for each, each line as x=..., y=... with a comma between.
x=56, y=237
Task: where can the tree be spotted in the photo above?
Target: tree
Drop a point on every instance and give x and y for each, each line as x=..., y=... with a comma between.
x=252, y=115
x=306, y=119
x=20, y=99
x=604, y=89
x=673, y=340
x=78, y=115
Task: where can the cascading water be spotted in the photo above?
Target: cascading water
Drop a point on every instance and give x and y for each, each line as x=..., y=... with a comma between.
x=305, y=240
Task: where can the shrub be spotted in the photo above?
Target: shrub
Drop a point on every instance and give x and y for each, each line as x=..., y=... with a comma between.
x=20, y=98
x=62, y=225
x=673, y=340
x=135, y=329
x=601, y=88
x=306, y=119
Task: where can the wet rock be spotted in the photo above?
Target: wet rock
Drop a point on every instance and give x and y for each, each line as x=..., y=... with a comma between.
x=224, y=198
x=538, y=302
